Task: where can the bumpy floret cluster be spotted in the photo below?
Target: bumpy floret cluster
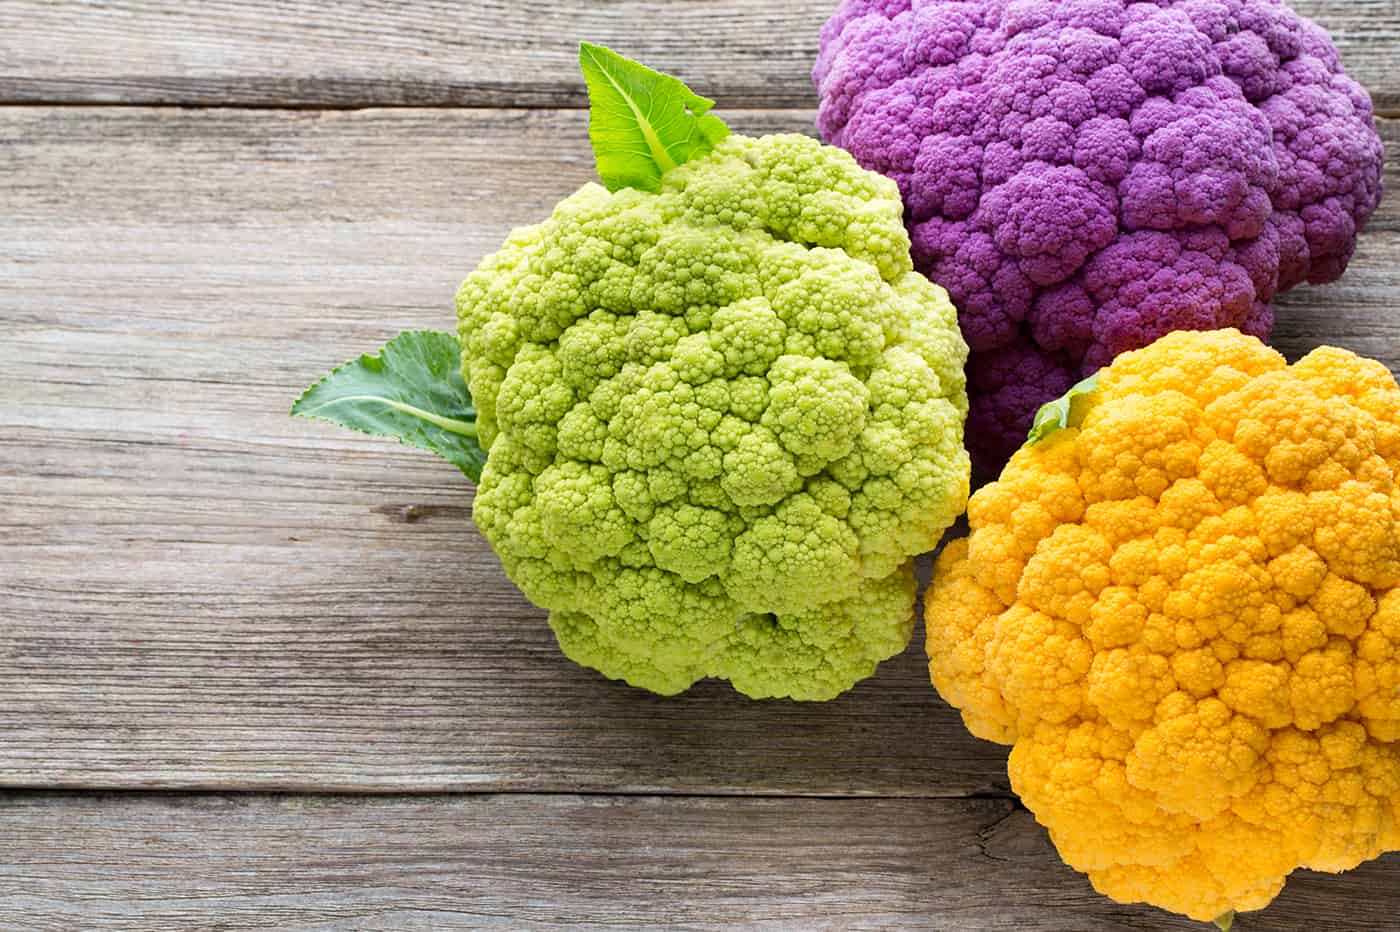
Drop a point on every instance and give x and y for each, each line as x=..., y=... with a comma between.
x=1185, y=615
x=721, y=419
x=1085, y=176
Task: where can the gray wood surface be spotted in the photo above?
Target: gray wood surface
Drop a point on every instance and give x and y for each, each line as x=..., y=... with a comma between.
x=198, y=593
x=203, y=592
x=465, y=862
x=319, y=53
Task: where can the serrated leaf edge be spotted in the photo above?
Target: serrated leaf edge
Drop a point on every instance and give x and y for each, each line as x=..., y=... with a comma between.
x=658, y=151
x=709, y=127
x=368, y=358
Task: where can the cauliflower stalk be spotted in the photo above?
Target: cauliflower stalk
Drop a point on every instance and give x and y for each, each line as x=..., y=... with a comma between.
x=1086, y=176
x=720, y=411
x=1182, y=608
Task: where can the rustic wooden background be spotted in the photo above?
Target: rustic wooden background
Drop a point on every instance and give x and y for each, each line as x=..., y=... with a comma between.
x=261, y=673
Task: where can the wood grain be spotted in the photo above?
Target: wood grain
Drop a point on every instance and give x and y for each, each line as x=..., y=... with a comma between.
x=198, y=591
x=514, y=53
x=197, y=862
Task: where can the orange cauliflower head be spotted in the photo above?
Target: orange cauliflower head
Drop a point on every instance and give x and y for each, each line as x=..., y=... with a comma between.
x=1183, y=610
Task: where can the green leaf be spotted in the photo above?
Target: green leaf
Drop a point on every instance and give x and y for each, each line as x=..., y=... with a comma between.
x=1226, y=922
x=1067, y=411
x=643, y=123
x=412, y=391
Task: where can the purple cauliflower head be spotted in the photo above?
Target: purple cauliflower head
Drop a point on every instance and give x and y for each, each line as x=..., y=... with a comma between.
x=1085, y=176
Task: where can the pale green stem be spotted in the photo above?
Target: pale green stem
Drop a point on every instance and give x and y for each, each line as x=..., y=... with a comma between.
x=451, y=425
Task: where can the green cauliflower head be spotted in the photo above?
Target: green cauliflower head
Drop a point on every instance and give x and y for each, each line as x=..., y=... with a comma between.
x=720, y=419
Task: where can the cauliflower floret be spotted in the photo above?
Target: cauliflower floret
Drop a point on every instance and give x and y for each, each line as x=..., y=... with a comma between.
x=720, y=419
x=1085, y=176
x=1196, y=653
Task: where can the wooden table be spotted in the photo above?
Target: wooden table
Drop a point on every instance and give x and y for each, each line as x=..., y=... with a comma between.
x=257, y=672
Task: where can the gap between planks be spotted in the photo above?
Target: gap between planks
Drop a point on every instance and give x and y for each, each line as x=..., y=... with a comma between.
x=1389, y=114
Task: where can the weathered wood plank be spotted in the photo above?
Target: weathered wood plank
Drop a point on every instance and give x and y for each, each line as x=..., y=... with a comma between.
x=213, y=862
x=318, y=53
x=198, y=591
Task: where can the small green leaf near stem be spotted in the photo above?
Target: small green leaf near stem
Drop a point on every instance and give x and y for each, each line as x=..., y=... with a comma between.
x=1226, y=922
x=412, y=391
x=1063, y=412
x=643, y=123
